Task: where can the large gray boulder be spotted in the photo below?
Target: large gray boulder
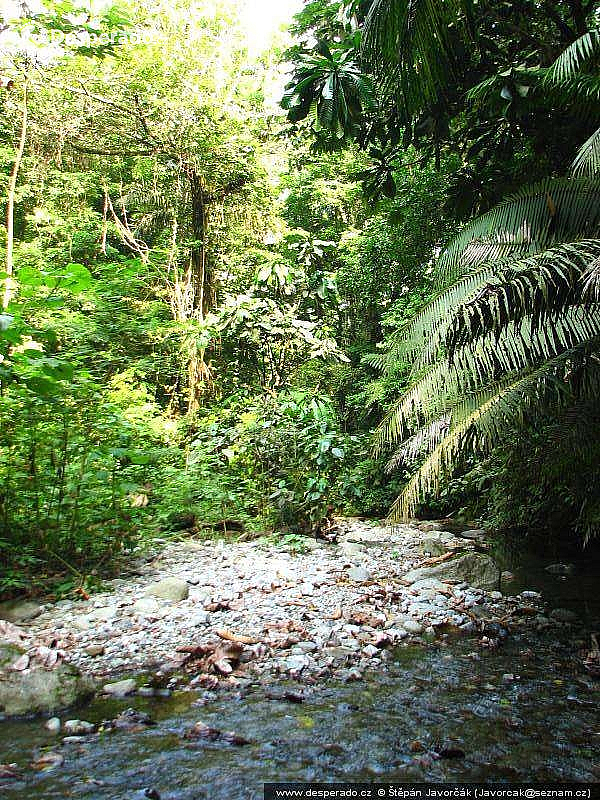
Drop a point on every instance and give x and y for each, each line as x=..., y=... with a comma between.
x=476, y=569
x=36, y=690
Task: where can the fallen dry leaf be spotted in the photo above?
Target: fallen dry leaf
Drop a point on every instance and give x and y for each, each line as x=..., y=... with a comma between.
x=234, y=637
x=138, y=500
x=218, y=605
x=360, y=618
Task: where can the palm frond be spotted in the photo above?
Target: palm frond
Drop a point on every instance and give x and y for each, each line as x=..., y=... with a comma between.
x=591, y=281
x=538, y=287
x=587, y=161
x=534, y=218
x=521, y=345
x=424, y=440
x=484, y=418
x=583, y=50
x=411, y=44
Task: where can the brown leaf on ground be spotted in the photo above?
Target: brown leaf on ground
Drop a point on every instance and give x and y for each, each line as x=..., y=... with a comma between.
x=218, y=605
x=361, y=618
x=287, y=626
x=286, y=642
x=337, y=614
x=234, y=637
x=221, y=658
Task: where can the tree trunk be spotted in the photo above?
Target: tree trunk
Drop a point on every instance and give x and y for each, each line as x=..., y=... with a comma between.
x=10, y=204
x=202, y=270
x=202, y=276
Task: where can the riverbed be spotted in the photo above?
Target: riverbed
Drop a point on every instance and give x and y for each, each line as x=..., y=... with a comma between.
x=452, y=709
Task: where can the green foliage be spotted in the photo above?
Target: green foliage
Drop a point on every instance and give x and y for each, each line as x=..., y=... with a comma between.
x=210, y=315
x=521, y=339
x=292, y=449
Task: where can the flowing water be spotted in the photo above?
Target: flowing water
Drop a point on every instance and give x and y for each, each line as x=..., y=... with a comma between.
x=451, y=711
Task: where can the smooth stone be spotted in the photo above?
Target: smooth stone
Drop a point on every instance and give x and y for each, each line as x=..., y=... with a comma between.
x=352, y=549
x=199, y=618
x=120, y=688
x=78, y=727
x=296, y=663
x=38, y=690
x=473, y=534
x=478, y=570
x=411, y=626
x=95, y=650
x=307, y=647
x=104, y=614
x=370, y=650
x=359, y=574
x=429, y=583
x=172, y=589
x=146, y=605
x=560, y=569
x=339, y=653
x=436, y=544
x=52, y=725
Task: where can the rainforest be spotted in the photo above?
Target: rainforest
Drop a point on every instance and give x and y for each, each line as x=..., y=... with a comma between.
x=299, y=379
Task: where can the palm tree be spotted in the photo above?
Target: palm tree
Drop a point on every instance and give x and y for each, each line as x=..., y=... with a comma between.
x=413, y=47
x=511, y=333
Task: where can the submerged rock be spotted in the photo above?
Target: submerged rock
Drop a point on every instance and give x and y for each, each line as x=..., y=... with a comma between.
x=78, y=727
x=36, y=690
x=563, y=615
x=120, y=688
x=560, y=569
x=52, y=725
x=476, y=569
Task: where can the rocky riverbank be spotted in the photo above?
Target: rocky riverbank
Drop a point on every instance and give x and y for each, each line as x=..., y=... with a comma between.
x=229, y=612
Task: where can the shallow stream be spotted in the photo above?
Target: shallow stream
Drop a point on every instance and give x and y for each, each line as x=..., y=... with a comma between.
x=449, y=711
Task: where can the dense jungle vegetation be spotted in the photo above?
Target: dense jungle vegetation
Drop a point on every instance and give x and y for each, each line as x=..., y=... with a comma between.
x=225, y=310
